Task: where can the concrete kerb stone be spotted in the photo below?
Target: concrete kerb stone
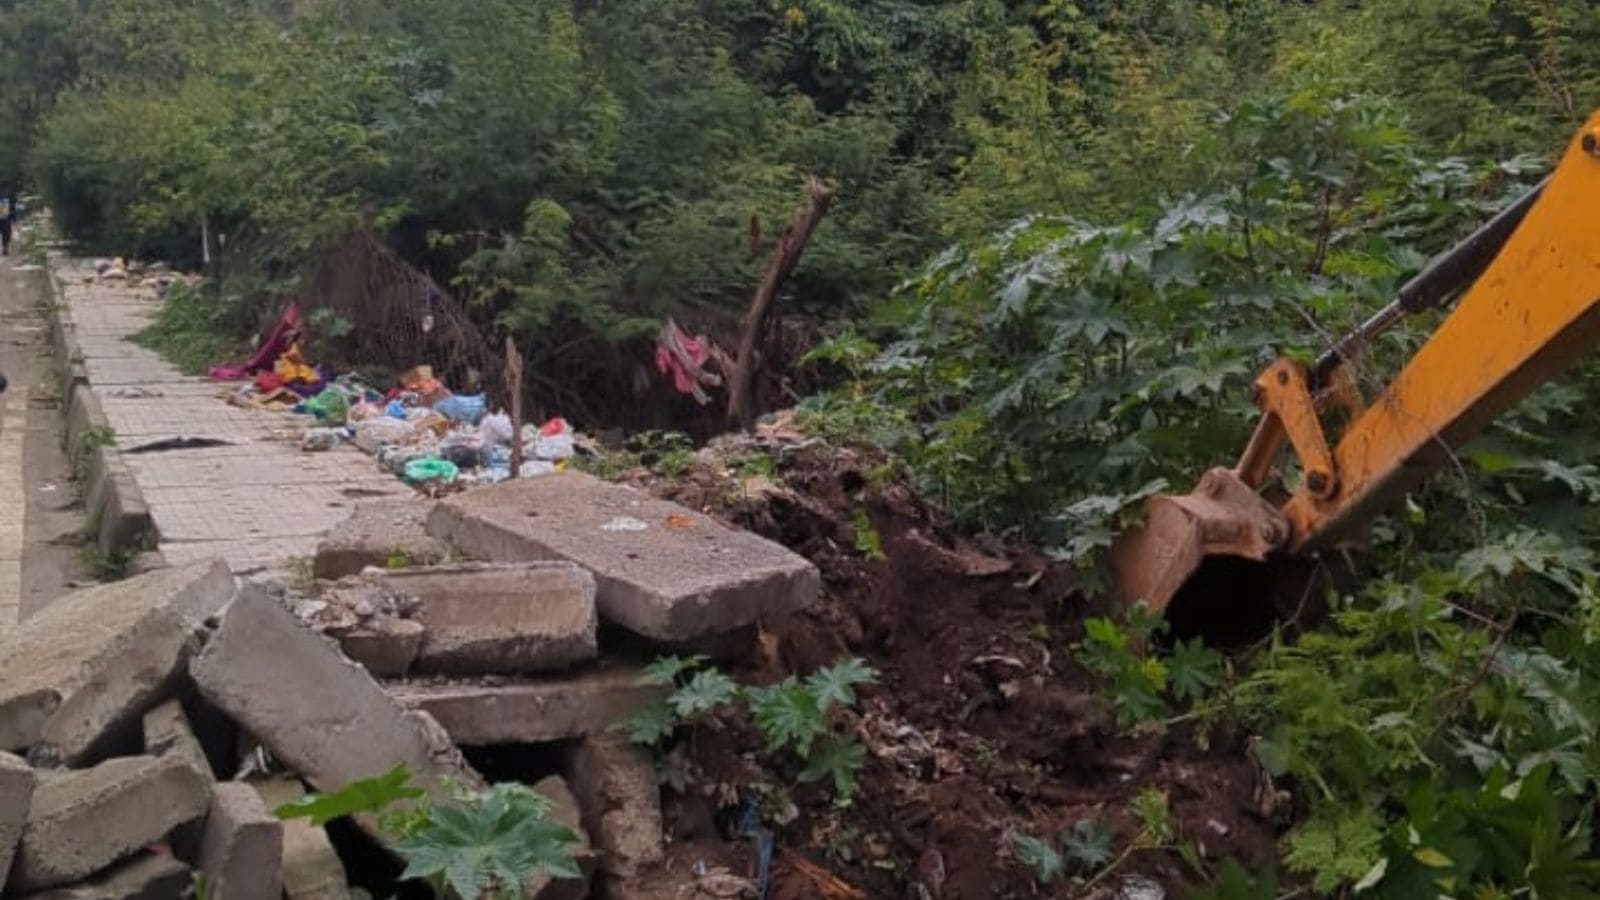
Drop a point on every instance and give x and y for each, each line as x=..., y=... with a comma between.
x=615, y=783
x=530, y=711
x=87, y=819
x=376, y=533
x=317, y=711
x=312, y=869
x=241, y=852
x=114, y=505
x=564, y=811
x=68, y=358
x=500, y=618
x=150, y=877
x=97, y=659
x=16, y=798
x=661, y=570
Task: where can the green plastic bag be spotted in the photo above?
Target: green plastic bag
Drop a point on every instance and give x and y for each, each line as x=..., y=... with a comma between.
x=428, y=468
x=329, y=406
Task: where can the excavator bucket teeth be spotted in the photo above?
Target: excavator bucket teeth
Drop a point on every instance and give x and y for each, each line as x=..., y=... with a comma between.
x=1222, y=516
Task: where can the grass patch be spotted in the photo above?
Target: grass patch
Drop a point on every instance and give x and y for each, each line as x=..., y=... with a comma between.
x=196, y=329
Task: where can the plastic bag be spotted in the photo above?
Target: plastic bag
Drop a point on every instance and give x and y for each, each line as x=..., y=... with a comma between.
x=430, y=468
x=555, y=440
x=321, y=439
x=373, y=435
x=462, y=408
x=496, y=429
x=329, y=406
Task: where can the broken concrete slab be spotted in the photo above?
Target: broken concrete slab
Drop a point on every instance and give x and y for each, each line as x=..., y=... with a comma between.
x=318, y=712
x=563, y=811
x=241, y=852
x=99, y=658
x=500, y=619
x=661, y=569
x=150, y=877
x=311, y=867
x=386, y=646
x=16, y=798
x=615, y=782
x=87, y=819
x=382, y=533
x=167, y=731
x=529, y=711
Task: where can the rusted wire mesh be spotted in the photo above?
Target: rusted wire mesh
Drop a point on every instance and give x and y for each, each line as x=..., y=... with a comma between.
x=395, y=317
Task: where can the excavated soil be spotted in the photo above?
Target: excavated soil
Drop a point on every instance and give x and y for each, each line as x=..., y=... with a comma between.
x=980, y=727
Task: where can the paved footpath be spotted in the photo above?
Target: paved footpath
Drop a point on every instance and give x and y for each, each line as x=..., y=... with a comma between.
x=258, y=501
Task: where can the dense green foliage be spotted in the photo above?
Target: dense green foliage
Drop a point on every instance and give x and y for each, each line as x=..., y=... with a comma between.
x=1102, y=218
x=799, y=718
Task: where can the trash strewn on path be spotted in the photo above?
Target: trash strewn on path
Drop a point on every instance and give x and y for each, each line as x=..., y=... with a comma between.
x=417, y=429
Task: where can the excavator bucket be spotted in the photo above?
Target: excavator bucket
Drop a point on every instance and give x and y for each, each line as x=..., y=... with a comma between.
x=1221, y=517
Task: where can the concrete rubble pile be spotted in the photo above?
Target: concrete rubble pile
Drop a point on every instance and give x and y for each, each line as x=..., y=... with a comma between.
x=133, y=715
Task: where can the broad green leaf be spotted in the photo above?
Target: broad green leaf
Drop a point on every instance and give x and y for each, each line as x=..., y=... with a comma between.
x=367, y=795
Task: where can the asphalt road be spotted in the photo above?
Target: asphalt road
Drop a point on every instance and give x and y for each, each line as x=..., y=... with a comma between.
x=40, y=519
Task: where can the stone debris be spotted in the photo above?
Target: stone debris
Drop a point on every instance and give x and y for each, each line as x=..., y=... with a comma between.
x=385, y=645
x=563, y=811
x=98, y=658
x=241, y=852
x=500, y=619
x=311, y=869
x=681, y=577
x=16, y=798
x=615, y=782
x=85, y=820
x=318, y=712
x=532, y=711
x=153, y=876
x=167, y=732
x=384, y=533
x=506, y=651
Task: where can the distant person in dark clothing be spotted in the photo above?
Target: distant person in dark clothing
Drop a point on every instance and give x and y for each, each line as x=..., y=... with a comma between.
x=8, y=215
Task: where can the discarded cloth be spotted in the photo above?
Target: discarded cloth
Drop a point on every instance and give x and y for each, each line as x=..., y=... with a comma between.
x=282, y=336
x=683, y=357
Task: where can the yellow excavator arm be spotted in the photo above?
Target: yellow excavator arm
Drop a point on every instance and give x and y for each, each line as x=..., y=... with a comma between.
x=1530, y=309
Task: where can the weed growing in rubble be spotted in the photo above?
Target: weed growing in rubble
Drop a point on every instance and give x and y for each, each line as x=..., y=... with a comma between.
x=483, y=845
x=1084, y=850
x=1141, y=683
x=796, y=716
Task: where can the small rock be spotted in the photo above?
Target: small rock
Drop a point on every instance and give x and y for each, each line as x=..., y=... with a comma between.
x=1139, y=887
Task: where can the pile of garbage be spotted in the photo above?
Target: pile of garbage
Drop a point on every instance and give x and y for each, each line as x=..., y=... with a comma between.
x=417, y=429
x=429, y=436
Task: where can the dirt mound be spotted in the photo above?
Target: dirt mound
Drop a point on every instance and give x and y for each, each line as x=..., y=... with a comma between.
x=981, y=725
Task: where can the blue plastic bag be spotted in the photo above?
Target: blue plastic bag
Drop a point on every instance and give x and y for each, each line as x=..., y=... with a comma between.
x=467, y=408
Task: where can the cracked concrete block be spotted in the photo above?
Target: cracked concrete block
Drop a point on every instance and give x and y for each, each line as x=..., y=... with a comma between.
x=86, y=819
x=376, y=534
x=386, y=646
x=149, y=877
x=16, y=798
x=241, y=851
x=529, y=711
x=167, y=731
x=311, y=868
x=319, y=713
x=660, y=569
x=563, y=811
x=510, y=619
x=615, y=782
x=99, y=658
